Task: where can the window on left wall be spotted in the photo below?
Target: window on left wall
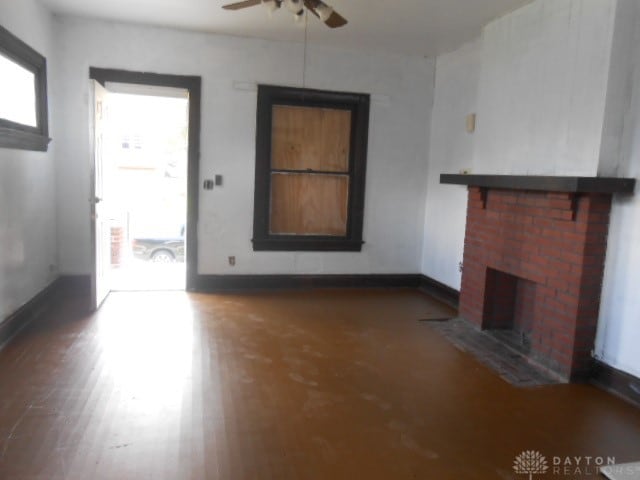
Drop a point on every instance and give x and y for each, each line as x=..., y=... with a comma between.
x=23, y=95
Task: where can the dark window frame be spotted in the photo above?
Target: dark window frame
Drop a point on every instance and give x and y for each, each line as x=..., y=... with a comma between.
x=17, y=135
x=359, y=105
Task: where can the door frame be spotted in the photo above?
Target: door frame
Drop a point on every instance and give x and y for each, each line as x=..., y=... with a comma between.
x=193, y=84
x=99, y=291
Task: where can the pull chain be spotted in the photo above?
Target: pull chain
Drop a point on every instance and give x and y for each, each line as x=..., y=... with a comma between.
x=304, y=60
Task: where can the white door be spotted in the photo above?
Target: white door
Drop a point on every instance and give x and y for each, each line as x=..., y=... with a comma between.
x=100, y=220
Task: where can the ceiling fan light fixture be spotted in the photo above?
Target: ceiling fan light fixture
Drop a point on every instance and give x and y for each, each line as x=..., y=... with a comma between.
x=299, y=8
x=324, y=11
x=271, y=5
x=294, y=6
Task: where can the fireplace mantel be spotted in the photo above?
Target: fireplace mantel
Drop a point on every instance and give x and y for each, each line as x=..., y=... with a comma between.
x=543, y=183
x=533, y=262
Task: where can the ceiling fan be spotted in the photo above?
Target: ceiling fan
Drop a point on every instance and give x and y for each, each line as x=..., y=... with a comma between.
x=320, y=9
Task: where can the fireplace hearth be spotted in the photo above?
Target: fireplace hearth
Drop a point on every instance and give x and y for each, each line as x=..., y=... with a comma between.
x=533, y=263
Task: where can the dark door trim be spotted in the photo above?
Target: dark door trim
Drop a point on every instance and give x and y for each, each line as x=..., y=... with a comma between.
x=193, y=85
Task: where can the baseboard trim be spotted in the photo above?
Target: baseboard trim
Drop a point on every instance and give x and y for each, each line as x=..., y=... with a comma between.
x=616, y=382
x=442, y=292
x=75, y=285
x=18, y=320
x=63, y=286
x=227, y=283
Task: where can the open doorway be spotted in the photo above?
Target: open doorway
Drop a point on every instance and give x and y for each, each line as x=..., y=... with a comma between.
x=145, y=181
x=145, y=155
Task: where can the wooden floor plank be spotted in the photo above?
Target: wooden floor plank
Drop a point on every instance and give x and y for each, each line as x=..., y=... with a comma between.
x=327, y=384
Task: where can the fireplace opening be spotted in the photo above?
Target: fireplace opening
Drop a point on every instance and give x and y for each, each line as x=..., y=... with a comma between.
x=509, y=307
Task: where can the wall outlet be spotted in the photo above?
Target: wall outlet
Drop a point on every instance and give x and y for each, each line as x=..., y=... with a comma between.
x=232, y=261
x=460, y=267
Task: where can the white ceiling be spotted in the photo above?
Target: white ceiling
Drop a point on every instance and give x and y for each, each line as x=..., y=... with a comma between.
x=422, y=27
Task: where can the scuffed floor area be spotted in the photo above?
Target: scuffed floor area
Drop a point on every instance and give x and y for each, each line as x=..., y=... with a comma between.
x=327, y=384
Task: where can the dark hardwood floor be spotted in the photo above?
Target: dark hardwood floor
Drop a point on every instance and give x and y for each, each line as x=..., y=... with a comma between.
x=303, y=385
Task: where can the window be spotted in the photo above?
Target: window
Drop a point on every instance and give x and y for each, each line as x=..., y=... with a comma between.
x=311, y=154
x=23, y=95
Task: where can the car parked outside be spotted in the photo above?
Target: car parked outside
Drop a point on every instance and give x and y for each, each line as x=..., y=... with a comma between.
x=160, y=249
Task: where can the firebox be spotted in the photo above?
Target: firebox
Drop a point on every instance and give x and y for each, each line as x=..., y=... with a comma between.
x=508, y=308
x=533, y=263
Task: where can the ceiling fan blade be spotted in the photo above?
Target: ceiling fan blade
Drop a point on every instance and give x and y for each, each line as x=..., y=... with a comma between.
x=336, y=20
x=241, y=5
x=325, y=13
x=311, y=6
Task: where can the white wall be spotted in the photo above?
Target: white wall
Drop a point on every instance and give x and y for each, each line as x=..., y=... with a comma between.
x=558, y=94
x=451, y=150
x=398, y=148
x=27, y=184
x=619, y=328
x=537, y=79
x=543, y=87
x=619, y=86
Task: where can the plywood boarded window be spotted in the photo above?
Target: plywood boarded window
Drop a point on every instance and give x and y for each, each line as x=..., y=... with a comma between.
x=310, y=170
x=310, y=164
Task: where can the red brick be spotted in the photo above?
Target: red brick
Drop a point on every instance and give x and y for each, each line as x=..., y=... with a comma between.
x=560, y=195
x=593, y=260
x=560, y=203
x=562, y=215
x=554, y=233
x=544, y=222
x=539, y=260
x=592, y=228
x=567, y=298
x=598, y=217
x=594, y=271
x=571, y=257
x=573, y=238
x=599, y=203
x=555, y=305
x=532, y=235
x=560, y=268
x=529, y=201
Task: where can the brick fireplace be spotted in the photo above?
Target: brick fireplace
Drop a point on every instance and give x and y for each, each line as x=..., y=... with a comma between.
x=533, y=263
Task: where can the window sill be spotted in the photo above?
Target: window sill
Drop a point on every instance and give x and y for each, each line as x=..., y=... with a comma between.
x=310, y=244
x=18, y=139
